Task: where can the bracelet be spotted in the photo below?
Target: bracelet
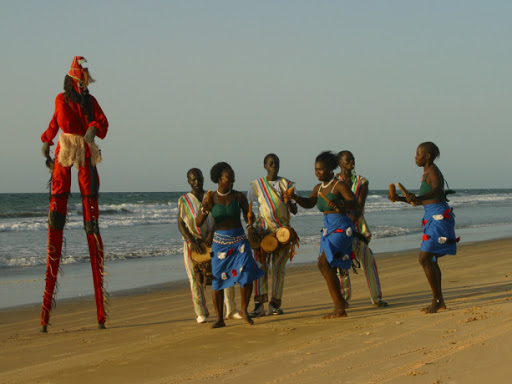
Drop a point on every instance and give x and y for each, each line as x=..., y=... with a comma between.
x=204, y=211
x=249, y=226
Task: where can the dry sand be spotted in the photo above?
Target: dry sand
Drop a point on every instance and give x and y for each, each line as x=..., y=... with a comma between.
x=152, y=336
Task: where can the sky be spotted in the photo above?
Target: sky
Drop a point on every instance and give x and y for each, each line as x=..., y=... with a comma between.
x=190, y=83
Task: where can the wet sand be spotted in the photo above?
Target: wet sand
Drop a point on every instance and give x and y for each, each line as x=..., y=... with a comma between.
x=152, y=336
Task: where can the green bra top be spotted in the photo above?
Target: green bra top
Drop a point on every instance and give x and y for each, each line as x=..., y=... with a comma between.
x=221, y=212
x=321, y=204
x=426, y=187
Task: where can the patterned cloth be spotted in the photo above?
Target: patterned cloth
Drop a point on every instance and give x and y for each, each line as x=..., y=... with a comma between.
x=232, y=261
x=439, y=230
x=360, y=225
x=273, y=212
x=188, y=208
x=362, y=251
x=336, y=241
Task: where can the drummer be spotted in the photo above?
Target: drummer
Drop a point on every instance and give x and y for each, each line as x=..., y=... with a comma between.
x=194, y=240
x=363, y=254
x=268, y=194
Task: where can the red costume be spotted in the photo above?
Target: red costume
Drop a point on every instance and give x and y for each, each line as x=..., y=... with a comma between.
x=72, y=149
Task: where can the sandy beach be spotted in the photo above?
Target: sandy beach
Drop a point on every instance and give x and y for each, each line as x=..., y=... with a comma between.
x=152, y=336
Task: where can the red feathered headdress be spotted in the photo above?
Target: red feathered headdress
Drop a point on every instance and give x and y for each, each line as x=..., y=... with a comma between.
x=77, y=71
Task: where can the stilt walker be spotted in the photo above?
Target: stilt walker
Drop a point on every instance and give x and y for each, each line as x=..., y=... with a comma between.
x=79, y=116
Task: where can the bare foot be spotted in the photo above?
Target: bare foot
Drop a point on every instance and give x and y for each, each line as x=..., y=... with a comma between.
x=435, y=307
x=218, y=324
x=247, y=318
x=335, y=314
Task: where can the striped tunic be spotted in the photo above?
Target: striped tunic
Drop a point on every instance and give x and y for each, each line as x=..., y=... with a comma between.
x=273, y=212
x=188, y=208
x=362, y=251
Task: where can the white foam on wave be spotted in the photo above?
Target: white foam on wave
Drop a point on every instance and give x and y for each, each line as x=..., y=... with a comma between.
x=391, y=231
x=32, y=261
x=142, y=215
x=111, y=254
x=491, y=198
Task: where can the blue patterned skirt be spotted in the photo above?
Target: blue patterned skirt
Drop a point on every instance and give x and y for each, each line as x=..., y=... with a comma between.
x=439, y=230
x=336, y=241
x=232, y=260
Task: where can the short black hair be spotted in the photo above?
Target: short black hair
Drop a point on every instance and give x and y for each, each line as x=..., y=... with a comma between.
x=196, y=170
x=269, y=156
x=329, y=159
x=343, y=153
x=431, y=148
x=217, y=169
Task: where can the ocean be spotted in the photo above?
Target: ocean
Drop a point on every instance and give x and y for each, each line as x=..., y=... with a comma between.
x=143, y=245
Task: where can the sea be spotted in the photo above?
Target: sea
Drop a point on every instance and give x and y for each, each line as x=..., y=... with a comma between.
x=143, y=246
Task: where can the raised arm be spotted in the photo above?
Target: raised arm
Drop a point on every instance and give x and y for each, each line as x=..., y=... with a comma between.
x=206, y=207
x=306, y=202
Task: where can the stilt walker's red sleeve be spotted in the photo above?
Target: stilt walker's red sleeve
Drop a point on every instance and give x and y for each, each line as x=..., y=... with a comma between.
x=53, y=127
x=100, y=120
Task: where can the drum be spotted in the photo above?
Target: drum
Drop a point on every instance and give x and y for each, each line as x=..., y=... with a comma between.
x=284, y=235
x=269, y=243
x=201, y=257
x=202, y=266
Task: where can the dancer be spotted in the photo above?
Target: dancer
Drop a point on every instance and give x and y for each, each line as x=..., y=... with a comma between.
x=196, y=239
x=333, y=198
x=232, y=260
x=362, y=235
x=79, y=116
x=274, y=213
x=438, y=222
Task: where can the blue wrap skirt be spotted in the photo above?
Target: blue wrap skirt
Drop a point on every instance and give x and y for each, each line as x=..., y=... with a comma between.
x=336, y=241
x=439, y=230
x=232, y=260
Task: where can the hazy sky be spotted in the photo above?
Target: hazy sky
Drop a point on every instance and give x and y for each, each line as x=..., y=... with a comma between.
x=190, y=83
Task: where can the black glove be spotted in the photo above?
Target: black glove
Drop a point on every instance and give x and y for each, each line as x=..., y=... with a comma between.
x=46, y=150
x=90, y=134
